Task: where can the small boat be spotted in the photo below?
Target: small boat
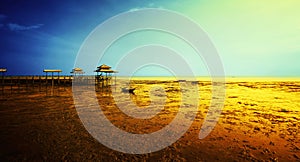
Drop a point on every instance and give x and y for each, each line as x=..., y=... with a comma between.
x=128, y=90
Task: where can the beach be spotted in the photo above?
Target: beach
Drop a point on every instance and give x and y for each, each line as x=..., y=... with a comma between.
x=260, y=121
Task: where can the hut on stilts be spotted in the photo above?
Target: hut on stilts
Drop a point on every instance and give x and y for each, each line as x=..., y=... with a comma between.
x=104, y=75
x=77, y=71
x=2, y=71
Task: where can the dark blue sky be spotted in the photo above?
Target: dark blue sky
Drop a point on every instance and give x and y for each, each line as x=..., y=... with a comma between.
x=41, y=34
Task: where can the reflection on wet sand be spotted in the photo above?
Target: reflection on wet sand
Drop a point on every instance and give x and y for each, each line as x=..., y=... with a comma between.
x=260, y=121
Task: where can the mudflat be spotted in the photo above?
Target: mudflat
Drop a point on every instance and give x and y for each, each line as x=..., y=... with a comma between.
x=260, y=121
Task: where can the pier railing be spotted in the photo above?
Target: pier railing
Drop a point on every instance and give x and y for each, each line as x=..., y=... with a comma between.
x=41, y=82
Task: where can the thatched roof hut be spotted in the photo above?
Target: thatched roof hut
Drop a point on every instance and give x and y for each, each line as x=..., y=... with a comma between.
x=105, y=69
x=77, y=71
x=52, y=70
x=103, y=66
x=2, y=70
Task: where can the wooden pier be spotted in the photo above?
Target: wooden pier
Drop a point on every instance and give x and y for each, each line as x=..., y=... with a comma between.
x=102, y=79
x=44, y=82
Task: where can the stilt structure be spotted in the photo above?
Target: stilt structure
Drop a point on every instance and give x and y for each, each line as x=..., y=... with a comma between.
x=104, y=75
x=2, y=71
x=77, y=71
x=52, y=71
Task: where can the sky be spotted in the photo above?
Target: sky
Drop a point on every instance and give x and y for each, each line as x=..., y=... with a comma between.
x=253, y=38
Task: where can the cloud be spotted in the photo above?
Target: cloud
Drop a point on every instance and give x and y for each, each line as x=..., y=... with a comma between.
x=150, y=5
x=134, y=9
x=17, y=27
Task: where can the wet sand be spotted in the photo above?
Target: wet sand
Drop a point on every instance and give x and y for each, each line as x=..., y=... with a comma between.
x=260, y=122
